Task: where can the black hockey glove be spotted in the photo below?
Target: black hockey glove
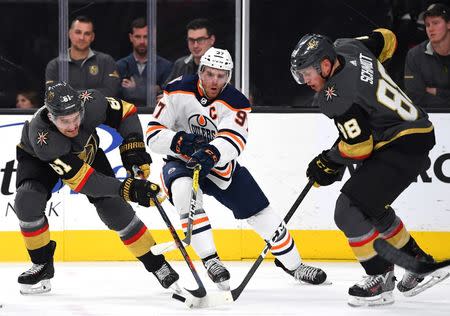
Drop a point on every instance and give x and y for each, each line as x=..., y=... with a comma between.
x=207, y=157
x=133, y=153
x=141, y=192
x=323, y=171
x=186, y=143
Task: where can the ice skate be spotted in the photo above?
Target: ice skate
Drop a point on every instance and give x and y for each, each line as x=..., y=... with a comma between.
x=305, y=273
x=373, y=290
x=412, y=283
x=217, y=272
x=36, y=280
x=168, y=277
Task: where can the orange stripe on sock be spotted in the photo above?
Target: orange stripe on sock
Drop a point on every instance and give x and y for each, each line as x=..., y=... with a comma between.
x=197, y=221
x=287, y=241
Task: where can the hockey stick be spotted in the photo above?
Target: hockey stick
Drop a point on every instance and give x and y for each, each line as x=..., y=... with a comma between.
x=233, y=295
x=238, y=291
x=201, y=291
x=398, y=257
x=169, y=246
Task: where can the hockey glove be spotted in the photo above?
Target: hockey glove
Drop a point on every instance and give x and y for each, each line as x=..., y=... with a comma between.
x=141, y=192
x=186, y=143
x=132, y=152
x=207, y=157
x=323, y=171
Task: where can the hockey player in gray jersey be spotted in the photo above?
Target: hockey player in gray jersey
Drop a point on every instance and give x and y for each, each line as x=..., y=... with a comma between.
x=61, y=142
x=202, y=119
x=380, y=128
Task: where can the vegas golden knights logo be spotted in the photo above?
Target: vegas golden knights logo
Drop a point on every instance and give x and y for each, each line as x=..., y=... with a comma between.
x=89, y=151
x=93, y=70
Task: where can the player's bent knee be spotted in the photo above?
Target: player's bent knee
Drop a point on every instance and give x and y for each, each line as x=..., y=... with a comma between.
x=30, y=201
x=181, y=194
x=341, y=212
x=265, y=222
x=115, y=213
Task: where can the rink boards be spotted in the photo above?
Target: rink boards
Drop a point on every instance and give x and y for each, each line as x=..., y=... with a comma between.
x=277, y=153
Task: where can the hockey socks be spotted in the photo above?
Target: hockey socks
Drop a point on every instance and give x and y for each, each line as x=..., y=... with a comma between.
x=265, y=223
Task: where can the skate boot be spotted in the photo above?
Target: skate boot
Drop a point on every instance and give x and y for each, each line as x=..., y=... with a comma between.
x=36, y=280
x=217, y=272
x=373, y=290
x=167, y=277
x=412, y=283
x=305, y=273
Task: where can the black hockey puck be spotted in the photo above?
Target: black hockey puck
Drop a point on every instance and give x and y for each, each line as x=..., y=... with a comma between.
x=178, y=297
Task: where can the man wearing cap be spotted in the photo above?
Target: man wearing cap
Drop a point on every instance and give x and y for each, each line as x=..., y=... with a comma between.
x=427, y=77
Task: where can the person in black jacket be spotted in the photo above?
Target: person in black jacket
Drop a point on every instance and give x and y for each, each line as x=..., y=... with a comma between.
x=88, y=69
x=427, y=76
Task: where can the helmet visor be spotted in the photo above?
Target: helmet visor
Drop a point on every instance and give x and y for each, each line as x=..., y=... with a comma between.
x=303, y=75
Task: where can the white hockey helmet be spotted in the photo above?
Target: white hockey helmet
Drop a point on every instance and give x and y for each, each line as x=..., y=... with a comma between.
x=217, y=58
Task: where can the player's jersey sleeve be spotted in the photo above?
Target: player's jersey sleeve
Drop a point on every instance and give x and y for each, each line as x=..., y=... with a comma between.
x=53, y=148
x=232, y=130
x=355, y=137
x=161, y=128
x=381, y=42
x=82, y=178
x=110, y=111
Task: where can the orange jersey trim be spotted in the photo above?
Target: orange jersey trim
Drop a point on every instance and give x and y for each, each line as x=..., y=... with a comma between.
x=234, y=137
x=225, y=173
x=180, y=92
x=249, y=109
x=154, y=127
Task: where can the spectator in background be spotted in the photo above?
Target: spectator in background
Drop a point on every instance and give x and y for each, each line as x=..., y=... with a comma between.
x=133, y=68
x=88, y=69
x=27, y=100
x=200, y=37
x=427, y=77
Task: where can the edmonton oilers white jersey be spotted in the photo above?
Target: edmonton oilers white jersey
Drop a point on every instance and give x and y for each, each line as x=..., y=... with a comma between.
x=223, y=122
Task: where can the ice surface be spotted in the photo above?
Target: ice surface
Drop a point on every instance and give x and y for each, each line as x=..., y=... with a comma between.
x=126, y=289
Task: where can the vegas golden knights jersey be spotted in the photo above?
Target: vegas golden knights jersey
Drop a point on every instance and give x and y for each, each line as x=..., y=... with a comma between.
x=71, y=158
x=367, y=106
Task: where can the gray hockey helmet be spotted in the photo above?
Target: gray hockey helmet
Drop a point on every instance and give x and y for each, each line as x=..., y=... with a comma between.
x=310, y=51
x=61, y=99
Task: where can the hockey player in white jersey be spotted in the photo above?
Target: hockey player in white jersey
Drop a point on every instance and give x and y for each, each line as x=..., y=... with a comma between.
x=202, y=119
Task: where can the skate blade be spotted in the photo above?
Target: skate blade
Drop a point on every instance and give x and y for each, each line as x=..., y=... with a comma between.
x=41, y=287
x=385, y=298
x=224, y=285
x=210, y=300
x=429, y=281
x=326, y=282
